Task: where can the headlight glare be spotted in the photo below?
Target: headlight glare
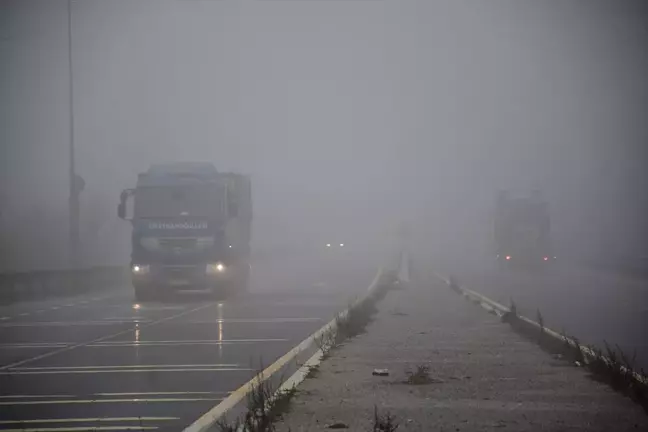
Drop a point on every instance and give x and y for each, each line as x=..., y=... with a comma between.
x=140, y=269
x=216, y=268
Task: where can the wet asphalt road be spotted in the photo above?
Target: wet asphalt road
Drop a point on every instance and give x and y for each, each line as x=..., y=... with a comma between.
x=103, y=362
x=595, y=306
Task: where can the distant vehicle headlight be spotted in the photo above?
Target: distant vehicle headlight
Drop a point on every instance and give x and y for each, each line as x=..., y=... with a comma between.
x=341, y=244
x=140, y=269
x=328, y=244
x=216, y=268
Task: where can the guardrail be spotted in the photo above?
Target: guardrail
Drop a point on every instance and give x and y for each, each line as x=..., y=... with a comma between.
x=19, y=286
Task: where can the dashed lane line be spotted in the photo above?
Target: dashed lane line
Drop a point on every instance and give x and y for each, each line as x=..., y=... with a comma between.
x=107, y=401
x=143, y=321
x=109, y=371
x=139, y=344
x=103, y=338
x=70, y=323
x=125, y=367
x=113, y=395
x=87, y=420
x=33, y=396
x=84, y=429
x=59, y=306
x=162, y=393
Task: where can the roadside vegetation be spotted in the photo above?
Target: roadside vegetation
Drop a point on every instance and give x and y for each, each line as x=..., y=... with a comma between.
x=266, y=403
x=610, y=365
x=355, y=319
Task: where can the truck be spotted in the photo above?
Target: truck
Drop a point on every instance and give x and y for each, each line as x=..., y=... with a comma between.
x=191, y=230
x=522, y=231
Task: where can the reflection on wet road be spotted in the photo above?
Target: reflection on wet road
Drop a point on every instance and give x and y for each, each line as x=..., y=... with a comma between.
x=102, y=362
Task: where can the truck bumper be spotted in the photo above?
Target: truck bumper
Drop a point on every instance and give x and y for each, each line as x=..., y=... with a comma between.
x=181, y=277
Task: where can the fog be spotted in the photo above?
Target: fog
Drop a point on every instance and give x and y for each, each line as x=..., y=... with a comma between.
x=351, y=116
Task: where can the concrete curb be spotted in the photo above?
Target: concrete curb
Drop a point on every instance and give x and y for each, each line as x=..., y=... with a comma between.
x=527, y=324
x=211, y=418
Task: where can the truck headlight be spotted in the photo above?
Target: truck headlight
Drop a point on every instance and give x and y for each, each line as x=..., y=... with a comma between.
x=140, y=269
x=216, y=268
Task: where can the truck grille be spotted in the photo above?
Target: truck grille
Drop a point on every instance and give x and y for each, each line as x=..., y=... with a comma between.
x=182, y=243
x=180, y=272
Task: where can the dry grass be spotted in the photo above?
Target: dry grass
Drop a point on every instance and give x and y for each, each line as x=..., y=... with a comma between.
x=384, y=422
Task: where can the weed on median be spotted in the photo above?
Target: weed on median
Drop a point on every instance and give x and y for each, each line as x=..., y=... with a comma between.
x=355, y=319
x=384, y=422
x=265, y=404
x=611, y=366
x=420, y=376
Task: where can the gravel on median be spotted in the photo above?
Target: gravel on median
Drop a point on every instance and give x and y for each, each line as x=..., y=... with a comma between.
x=452, y=367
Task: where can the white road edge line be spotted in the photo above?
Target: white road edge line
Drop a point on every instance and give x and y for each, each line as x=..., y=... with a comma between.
x=207, y=420
x=488, y=304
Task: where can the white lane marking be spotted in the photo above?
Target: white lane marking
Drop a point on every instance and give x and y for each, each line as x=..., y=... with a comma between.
x=94, y=401
x=126, y=367
x=84, y=429
x=102, y=338
x=66, y=305
x=93, y=371
x=71, y=323
x=125, y=344
x=132, y=321
x=33, y=345
x=254, y=320
x=211, y=417
x=160, y=393
x=88, y=420
x=33, y=396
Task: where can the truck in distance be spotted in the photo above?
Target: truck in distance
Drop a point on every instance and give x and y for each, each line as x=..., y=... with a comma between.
x=522, y=231
x=191, y=230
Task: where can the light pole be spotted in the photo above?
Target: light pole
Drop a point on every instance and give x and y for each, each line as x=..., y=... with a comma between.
x=76, y=183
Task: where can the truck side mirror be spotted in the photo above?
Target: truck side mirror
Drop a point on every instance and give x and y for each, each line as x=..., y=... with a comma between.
x=121, y=208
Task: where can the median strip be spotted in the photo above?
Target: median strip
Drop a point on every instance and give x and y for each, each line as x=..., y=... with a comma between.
x=616, y=369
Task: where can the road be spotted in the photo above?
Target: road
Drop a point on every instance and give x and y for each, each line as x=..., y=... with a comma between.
x=593, y=305
x=103, y=362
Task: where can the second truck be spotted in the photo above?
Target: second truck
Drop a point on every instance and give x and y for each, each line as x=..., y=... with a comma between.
x=191, y=230
x=522, y=231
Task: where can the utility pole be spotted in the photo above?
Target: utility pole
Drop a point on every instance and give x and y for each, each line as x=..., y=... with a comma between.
x=76, y=183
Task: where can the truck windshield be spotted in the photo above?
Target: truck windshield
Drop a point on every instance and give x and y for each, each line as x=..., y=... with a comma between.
x=172, y=201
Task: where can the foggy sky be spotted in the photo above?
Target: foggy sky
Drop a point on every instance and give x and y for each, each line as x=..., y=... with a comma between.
x=349, y=115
